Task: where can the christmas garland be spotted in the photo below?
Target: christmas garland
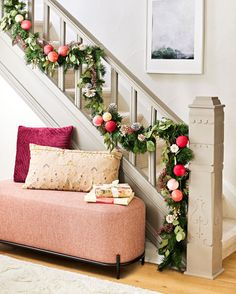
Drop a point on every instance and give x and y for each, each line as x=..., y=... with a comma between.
x=135, y=137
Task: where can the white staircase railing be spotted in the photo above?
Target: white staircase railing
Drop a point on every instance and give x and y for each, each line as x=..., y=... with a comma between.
x=157, y=108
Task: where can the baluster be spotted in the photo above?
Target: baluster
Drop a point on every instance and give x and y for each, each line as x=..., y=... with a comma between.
x=1, y=9
x=46, y=21
x=152, y=155
x=78, y=91
x=31, y=13
x=133, y=118
x=61, y=74
x=114, y=86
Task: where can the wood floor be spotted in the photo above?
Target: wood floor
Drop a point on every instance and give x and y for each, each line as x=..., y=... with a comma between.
x=145, y=276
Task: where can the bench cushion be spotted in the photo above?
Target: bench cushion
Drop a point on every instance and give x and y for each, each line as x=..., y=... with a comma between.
x=61, y=221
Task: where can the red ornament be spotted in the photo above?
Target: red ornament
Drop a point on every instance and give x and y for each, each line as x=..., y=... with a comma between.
x=53, y=56
x=97, y=120
x=179, y=170
x=182, y=141
x=177, y=195
x=26, y=25
x=110, y=126
x=63, y=50
x=47, y=49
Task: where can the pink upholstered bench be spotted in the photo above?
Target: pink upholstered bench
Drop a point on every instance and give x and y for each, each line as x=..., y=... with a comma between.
x=61, y=222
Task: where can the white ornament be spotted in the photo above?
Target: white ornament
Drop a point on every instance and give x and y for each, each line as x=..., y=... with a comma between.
x=107, y=116
x=19, y=18
x=90, y=93
x=82, y=47
x=170, y=218
x=141, y=137
x=174, y=148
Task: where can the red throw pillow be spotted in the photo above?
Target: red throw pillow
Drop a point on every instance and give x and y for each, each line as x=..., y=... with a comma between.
x=53, y=137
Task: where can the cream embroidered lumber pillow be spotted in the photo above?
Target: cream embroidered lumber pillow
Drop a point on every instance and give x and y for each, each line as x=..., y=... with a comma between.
x=73, y=170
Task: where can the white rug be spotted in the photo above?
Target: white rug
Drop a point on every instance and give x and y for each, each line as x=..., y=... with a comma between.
x=27, y=278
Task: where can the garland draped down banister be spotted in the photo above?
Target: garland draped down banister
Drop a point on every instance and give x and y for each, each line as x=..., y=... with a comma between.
x=173, y=181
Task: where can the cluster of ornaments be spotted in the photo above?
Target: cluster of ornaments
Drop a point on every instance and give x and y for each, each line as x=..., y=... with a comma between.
x=24, y=23
x=106, y=120
x=52, y=55
x=48, y=49
x=179, y=170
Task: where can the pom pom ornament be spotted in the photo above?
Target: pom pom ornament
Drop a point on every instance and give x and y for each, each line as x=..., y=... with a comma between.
x=107, y=116
x=26, y=25
x=19, y=18
x=172, y=184
x=112, y=107
x=53, y=56
x=47, y=49
x=136, y=126
x=63, y=50
x=98, y=120
x=177, y=195
x=174, y=148
x=179, y=170
x=110, y=126
x=182, y=141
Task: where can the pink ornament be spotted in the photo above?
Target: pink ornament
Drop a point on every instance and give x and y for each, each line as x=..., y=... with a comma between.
x=182, y=141
x=53, y=56
x=97, y=120
x=177, y=195
x=179, y=170
x=172, y=184
x=47, y=49
x=63, y=50
x=110, y=126
x=26, y=25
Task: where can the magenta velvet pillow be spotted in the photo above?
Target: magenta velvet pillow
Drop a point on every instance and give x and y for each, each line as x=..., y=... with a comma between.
x=53, y=137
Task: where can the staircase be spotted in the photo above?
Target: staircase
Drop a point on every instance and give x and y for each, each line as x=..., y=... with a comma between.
x=58, y=102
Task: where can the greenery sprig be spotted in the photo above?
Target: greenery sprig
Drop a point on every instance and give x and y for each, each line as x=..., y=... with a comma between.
x=173, y=181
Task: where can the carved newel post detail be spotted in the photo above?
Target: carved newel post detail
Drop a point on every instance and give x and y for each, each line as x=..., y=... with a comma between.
x=206, y=132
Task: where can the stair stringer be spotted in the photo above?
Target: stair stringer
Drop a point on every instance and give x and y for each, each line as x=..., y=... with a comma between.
x=55, y=109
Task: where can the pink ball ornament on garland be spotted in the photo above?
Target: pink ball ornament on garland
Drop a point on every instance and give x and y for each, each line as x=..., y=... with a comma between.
x=182, y=141
x=110, y=126
x=26, y=25
x=107, y=116
x=47, y=49
x=172, y=184
x=177, y=195
x=19, y=18
x=53, y=56
x=63, y=50
x=97, y=120
x=179, y=170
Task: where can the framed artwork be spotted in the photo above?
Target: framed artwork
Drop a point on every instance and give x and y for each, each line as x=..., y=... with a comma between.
x=175, y=36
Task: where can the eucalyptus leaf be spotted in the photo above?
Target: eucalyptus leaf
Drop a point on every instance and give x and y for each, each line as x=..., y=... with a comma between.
x=72, y=58
x=179, y=237
x=167, y=253
x=164, y=243
x=175, y=222
x=151, y=146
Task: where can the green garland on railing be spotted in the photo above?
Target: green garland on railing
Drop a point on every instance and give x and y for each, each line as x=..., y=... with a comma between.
x=135, y=137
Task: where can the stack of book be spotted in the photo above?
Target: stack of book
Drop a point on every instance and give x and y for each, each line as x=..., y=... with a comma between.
x=114, y=193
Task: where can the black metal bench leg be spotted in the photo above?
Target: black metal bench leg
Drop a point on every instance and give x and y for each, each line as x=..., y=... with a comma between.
x=118, y=266
x=143, y=260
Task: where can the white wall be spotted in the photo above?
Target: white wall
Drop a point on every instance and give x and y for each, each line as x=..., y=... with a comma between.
x=13, y=112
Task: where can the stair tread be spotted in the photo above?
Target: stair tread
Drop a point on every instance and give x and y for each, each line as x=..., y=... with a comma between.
x=229, y=228
x=228, y=237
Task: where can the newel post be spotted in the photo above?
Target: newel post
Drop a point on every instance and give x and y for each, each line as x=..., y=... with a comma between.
x=206, y=132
